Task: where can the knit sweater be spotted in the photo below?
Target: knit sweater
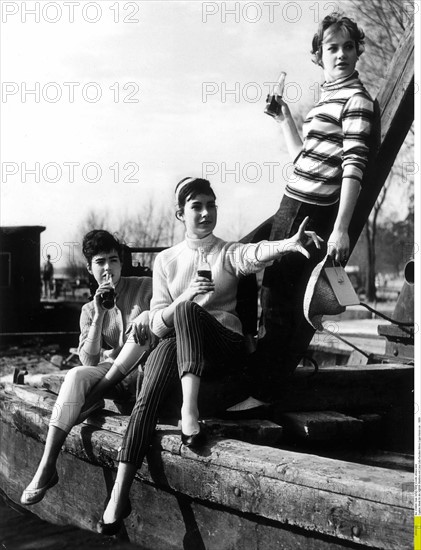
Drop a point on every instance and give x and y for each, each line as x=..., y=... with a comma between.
x=336, y=136
x=176, y=267
x=133, y=295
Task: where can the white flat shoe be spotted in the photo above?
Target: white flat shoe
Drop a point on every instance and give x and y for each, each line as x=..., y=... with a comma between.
x=32, y=496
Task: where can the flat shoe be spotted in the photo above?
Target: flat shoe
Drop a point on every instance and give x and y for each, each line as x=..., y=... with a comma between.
x=110, y=529
x=32, y=496
x=194, y=440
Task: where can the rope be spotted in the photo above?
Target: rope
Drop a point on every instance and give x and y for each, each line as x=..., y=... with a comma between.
x=346, y=342
x=408, y=362
x=383, y=316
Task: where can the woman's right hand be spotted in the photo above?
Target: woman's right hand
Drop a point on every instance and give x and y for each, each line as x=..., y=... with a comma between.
x=284, y=111
x=199, y=285
x=106, y=285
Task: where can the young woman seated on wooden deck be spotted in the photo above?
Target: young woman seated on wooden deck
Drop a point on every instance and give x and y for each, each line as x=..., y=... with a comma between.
x=121, y=326
x=194, y=315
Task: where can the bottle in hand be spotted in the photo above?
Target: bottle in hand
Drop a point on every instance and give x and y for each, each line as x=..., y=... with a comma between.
x=108, y=297
x=203, y=267
x=272, y=106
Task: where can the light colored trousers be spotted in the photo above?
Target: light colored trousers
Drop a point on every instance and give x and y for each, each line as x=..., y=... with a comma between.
x=77, y=383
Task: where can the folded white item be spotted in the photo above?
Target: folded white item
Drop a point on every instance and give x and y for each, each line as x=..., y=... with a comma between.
x=249, y=403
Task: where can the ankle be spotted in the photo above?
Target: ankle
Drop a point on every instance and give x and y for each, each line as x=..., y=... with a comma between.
x=190, y=411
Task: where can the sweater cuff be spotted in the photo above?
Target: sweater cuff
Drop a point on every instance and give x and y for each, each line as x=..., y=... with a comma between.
x=353, y=172
x=158, y=325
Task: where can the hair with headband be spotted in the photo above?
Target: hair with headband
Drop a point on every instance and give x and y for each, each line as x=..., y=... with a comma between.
x=336, y=22
x=189, y=188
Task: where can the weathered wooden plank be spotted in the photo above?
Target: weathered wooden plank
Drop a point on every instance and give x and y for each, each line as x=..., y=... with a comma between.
x=322, y=425
x=346, y=388
x=335, y=387
x=324, y=511
x=350, y=498
x=344, y=521
x=169, y=521
x=261, y=461
x=259, y=432
x=312, y=425
x=373, y=457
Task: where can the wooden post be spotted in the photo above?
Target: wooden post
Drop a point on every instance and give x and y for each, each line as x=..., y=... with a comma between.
x=395, y=104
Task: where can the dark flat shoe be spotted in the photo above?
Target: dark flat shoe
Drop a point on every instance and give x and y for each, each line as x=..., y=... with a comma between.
x=110, y=529
x=195, y=440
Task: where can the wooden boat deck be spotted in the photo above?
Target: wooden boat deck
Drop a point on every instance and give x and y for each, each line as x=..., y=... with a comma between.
x=236, y=494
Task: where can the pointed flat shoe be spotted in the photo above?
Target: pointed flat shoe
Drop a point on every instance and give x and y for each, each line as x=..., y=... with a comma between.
x=195, y=440
x=32, y=496
x=110, y=529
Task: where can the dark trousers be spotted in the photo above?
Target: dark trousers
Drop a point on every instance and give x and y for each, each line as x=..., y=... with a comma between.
x=200, y=343
x=284, y=332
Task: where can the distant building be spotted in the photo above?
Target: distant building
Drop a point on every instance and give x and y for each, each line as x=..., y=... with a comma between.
x=19, y=277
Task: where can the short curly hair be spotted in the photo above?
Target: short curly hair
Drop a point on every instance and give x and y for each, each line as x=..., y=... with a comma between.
x=99, y=240
x=336, y=22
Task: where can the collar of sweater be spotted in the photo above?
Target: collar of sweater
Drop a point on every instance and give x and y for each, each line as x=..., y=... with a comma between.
x=205, y=243
x=343, y=82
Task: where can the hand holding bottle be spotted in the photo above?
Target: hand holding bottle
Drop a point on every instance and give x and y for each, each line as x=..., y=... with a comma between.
x=274, y=102
x=107, y=295
x=202, y=283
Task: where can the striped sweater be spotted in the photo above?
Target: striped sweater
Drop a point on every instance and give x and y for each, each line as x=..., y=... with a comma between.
x=133, y=297
x=176, y=267
x=336, y=136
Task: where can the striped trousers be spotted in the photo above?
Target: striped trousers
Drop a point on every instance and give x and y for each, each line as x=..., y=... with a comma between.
x=200, y=342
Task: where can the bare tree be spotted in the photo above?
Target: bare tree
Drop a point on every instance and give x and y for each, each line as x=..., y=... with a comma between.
x=154, y=226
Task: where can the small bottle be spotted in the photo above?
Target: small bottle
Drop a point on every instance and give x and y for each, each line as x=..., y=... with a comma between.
x=272, y=106
x=203, y=267
x=108, y=297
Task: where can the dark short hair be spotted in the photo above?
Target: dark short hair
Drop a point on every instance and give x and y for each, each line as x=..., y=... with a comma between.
x=194, y=187
x=99, y=240
x=336, y=21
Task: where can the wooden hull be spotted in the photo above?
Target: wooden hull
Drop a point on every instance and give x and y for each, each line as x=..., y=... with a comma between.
x=230, y=495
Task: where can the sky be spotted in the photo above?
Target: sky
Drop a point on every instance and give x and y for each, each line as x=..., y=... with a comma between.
x=106, y=105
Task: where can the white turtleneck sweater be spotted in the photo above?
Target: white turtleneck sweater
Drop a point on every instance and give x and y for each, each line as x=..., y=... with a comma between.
x=176, y=267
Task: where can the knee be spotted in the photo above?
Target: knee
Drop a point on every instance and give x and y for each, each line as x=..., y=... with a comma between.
x=165, y=352
x=75, y=377
x=184, y=311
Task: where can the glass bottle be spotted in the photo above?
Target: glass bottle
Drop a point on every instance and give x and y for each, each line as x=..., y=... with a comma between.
x=272, y=106
x=203, y=267
x=108, y=296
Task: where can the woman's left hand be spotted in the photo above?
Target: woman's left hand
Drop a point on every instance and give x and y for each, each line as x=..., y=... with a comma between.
x=303, y=238
x=338, y=246
x=96, y=394
x=139, y=328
